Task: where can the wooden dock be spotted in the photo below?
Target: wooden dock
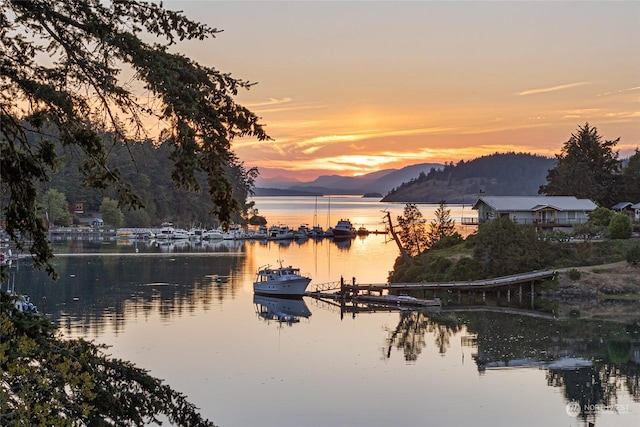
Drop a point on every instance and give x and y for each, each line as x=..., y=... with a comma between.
x=390, y=294
x=484, y=284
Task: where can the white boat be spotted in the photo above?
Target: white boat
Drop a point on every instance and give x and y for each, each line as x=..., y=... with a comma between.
x=234, y=233
x=280, y=232
x=303, y=232
x=260, y=234
x=344, y=228
x=316, y=232
x=22, y=303
x=280, y=281
x=214, y=234
x=169, y=233
x=180, y=234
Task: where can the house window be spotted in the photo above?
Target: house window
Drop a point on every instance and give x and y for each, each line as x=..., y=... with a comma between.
x=571, y=215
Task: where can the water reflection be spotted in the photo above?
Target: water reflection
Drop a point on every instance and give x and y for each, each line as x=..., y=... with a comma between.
x=280, y=310
x=592, y=362
x=112, y=289
x=96, y=291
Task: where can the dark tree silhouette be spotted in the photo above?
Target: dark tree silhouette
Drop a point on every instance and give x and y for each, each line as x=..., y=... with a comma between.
x=61, y=79
x=587, y=167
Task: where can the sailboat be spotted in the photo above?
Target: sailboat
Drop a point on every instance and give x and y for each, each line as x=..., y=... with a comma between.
x=316, y=230
x=329, y=232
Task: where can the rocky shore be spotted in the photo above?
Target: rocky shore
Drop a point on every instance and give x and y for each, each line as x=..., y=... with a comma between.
x=608, y=291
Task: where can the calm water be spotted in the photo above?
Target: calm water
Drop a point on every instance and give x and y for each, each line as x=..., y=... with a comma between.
x=188, y=314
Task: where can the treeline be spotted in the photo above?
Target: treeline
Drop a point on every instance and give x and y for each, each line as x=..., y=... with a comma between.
x=147, y=169
x=499, y=174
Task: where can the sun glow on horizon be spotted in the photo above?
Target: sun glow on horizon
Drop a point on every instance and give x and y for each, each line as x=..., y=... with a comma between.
x=424, y=92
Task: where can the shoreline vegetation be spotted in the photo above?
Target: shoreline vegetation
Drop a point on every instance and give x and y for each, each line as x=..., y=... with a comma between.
x=596, y=277
x=608, y=291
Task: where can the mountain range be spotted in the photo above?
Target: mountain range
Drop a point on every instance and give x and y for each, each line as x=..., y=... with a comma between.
x=378, y=183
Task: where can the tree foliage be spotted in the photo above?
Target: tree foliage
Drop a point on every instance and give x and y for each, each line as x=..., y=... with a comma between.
x=620, y=226
x=600, y=216
x=504, y=247
x=587, y=168
x=61, y=80
x=630, y=182
x=111, y=213
x=412, y=230
x=55, y=206
x=442, y=228
x=47, y=380
x=633, y=254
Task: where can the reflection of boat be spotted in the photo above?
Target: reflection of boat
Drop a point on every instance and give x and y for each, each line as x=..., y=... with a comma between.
x=343, y=243
x=344, y=228
x=288, y=310
x=280, y=281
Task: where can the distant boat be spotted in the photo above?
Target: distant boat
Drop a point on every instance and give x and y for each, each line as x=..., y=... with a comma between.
x=303, y=232
x=280, y=232
x=344, y=228
x=234, y=233
x=261, y=233
x=328, y=232
x=362, y=231
x=213, y=234
x=280, y=281
x=316, y=232
x=167, y=232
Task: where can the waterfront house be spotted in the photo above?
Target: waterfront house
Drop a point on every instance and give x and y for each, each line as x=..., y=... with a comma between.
x=636, y=212
x=77, y=207
x=625, y=207
x=542, y=211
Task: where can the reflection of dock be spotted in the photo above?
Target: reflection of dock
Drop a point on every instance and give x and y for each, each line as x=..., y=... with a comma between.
x=368, y=304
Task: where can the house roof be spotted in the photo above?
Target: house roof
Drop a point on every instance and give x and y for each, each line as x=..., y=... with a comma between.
x=622, y=205
x=636, y=206
x=535, y=203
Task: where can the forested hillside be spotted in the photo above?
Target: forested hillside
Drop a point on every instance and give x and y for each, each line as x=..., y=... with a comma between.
x=147, y=168
x=500, y=174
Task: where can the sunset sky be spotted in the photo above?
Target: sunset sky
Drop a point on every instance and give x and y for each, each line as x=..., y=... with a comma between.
x=353, y=87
